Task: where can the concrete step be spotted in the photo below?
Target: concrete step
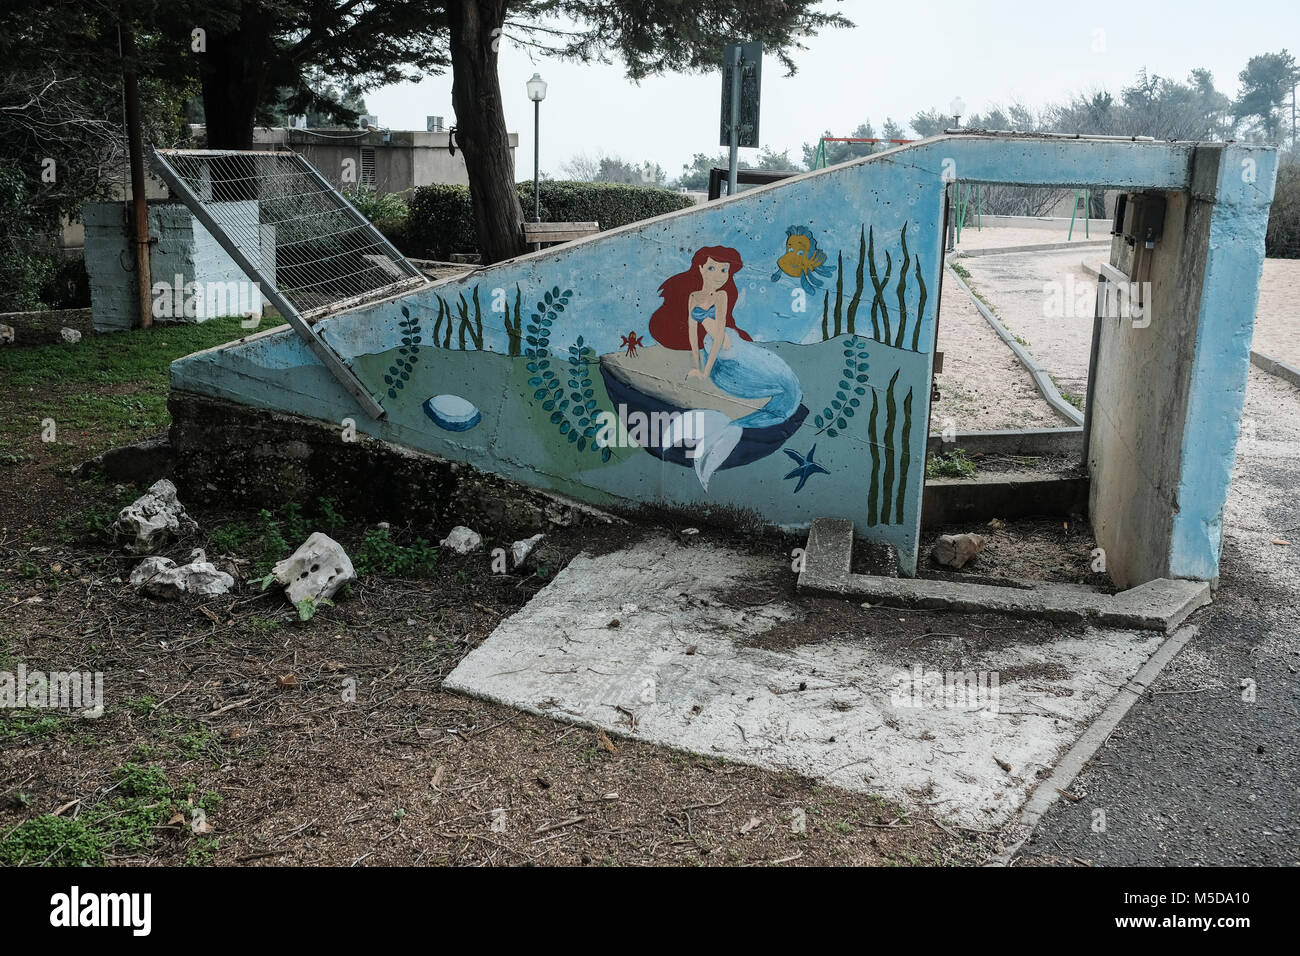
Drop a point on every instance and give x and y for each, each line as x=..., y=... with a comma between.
x=1159, y=605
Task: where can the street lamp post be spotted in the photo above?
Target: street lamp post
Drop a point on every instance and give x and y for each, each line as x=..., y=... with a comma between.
x=537, y=93
x=958, y=107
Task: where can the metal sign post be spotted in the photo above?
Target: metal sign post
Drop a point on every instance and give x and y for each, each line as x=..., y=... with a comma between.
x=742, y=69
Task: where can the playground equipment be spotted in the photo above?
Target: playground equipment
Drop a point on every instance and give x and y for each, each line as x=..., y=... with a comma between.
x=766, y=357
x=819, y=157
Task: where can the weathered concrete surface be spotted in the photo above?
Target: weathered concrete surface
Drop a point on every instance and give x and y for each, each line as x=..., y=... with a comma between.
x=1160, y=605
x=1275, y=366
x=142, y=463
x=645, y=643
x=1169, y=385
x=994, y=495
x=232, y=453
x=1063, y=442
x=183, y=248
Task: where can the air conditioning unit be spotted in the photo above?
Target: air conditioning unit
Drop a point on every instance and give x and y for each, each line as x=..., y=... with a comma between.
x=433, y=124
x=367, y=120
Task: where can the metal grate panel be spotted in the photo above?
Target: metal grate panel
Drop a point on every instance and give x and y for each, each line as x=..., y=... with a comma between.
x=313, y=245
x=308, y=249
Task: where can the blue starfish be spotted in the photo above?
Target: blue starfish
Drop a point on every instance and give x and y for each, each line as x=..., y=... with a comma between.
x=806, y=466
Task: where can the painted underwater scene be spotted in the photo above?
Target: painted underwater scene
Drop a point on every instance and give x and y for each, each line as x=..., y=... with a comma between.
x=796, y=430
x=783, y=370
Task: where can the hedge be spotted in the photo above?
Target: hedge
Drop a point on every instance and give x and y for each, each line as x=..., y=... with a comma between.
x=440, y=221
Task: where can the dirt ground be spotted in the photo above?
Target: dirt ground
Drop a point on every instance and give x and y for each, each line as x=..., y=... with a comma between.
x=234, y=734
x=1028, y=549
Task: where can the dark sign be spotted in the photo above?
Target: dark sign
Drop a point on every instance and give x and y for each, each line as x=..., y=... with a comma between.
x=751, y=72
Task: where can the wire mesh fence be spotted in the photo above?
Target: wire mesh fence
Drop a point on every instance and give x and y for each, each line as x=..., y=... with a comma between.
x=305, y=238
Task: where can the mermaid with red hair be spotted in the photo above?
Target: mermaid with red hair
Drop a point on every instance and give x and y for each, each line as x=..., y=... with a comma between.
x=697, y=314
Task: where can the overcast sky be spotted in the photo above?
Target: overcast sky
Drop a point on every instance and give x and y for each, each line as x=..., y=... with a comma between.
x=899, y=58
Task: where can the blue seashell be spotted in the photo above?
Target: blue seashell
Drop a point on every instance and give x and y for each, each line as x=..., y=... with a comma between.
x=452, y=412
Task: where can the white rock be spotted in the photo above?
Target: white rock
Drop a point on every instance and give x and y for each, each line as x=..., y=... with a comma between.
x=71, y=336
x=954, y=550
x=462, y=540
x=164, y=578
x=6, y=334
x=520, y=550
x=152, y=519
x=317, y=570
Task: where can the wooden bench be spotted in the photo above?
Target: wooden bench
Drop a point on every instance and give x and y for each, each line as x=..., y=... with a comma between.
x=545, y=233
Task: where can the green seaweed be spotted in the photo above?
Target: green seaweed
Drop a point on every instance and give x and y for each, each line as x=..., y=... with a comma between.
x=905, y=459
x=857, y=291
x=880, y=284
x=565, y=390
x=874, y=446
x=920, y=308
x=891, y=418
x=852, y=387
x=839, y=296
x=902, y=291
x=513, y=331
x=399, y=373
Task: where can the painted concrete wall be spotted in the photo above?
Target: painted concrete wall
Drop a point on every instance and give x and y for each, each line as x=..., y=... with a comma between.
x=825, y=410
x=193, y=278
x=516, y=367
x=1170, y=383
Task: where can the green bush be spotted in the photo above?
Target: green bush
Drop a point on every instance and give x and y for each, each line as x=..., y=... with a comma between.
x=388, y=211
x=441, y=220
x=28, y=262
x=1283, y=238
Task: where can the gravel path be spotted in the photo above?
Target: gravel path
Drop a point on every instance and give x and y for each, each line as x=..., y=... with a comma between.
x=983, y=386
x=1046, y=300
x=1277, y=322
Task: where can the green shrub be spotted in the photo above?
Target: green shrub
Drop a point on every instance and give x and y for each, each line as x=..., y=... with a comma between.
x=1283, y=238
x=28, y=262
x=388, y=212
x=441, y=221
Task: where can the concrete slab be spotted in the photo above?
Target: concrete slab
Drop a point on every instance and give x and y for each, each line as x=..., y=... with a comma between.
x=658, y=642
x=1160, y=605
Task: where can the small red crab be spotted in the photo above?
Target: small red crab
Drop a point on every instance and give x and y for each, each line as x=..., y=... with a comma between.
x=632, y=342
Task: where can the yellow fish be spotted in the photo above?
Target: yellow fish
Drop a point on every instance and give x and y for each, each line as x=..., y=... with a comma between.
x=802, y=259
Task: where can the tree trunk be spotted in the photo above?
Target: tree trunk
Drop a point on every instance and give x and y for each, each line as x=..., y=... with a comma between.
x=233, y=73
x=481, y=126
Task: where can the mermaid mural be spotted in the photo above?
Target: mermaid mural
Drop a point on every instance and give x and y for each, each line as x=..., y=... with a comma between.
x=733, y=402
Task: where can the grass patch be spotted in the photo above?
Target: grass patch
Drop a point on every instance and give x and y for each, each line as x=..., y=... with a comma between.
x=273, y=536
x=32, y=723
x=113, y=386
x=954, y=464
x=127, y=821
x=1072, y=397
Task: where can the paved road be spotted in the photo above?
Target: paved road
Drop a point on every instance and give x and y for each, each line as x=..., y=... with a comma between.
x=1196, y=773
